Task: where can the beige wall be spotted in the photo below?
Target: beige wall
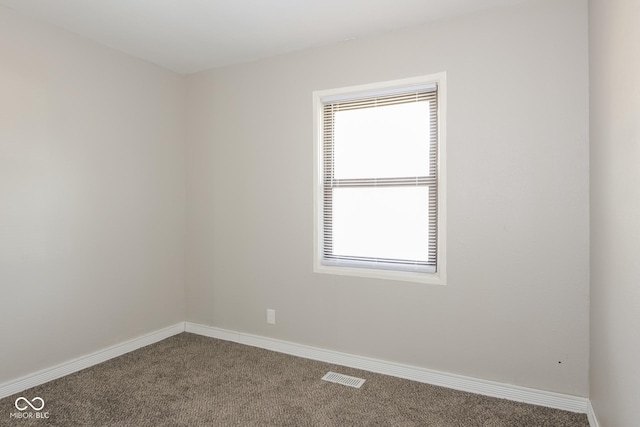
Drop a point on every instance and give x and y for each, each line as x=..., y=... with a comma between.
x=91, y=197
x=515, y=308
x=615, y=211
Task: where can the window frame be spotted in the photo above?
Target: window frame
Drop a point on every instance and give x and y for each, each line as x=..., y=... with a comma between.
x=439, y=277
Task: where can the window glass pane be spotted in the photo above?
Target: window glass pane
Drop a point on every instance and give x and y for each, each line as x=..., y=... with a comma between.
x=381, y=222
x=382, y=142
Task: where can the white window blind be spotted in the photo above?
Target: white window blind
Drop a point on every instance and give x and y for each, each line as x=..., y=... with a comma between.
x=380, y=179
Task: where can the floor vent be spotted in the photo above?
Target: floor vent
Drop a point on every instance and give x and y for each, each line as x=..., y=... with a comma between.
x=343, y=379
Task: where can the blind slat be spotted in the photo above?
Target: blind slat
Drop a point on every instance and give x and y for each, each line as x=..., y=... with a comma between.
x=381, y=93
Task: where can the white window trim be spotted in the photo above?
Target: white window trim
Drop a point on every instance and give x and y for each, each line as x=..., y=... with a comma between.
x=438, y=278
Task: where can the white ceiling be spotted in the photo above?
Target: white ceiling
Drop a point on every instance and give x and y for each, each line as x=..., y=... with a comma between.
x=191, y=35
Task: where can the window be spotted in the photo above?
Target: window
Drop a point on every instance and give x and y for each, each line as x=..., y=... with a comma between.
x=379, y=180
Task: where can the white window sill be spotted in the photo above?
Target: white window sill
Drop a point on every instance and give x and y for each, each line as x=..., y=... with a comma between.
x=404, y=276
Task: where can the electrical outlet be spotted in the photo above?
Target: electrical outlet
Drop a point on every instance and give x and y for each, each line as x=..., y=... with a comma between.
x=271, y=316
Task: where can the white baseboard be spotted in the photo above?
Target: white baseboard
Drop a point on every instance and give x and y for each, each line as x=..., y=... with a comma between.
x=457, y=382
x=46, y=375
x=444, y=379
x=591, y=415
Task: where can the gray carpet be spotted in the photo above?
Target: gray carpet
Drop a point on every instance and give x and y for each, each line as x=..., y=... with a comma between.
x=190, y=380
